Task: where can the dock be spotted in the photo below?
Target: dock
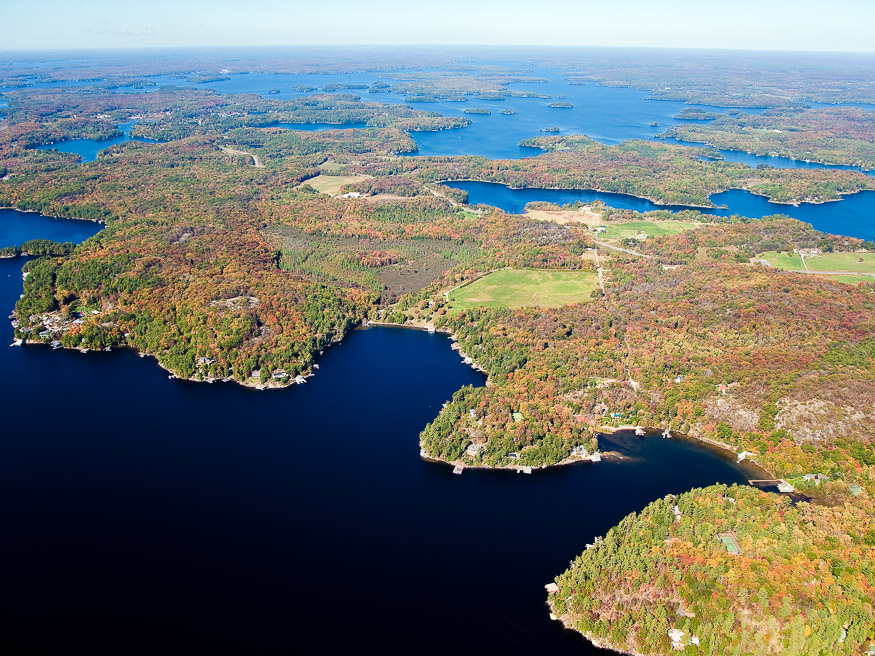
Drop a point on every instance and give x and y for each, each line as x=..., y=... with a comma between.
x=783, y=486
x=458, y=469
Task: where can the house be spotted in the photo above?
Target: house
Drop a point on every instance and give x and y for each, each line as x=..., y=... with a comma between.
x=473, y=450
x=817, y=479
x=279, y=374
x=854, y=488
x=517, y=416
x=551, y=588
x=784, y=486
x=676, y=512
x=513, y=456
x=676, y=637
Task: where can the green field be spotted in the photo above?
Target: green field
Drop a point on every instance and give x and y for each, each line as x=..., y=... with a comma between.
x=851, y=280
x=649, y=228
x=515, y=288
x=853, y=262
x=783, y=261
x=332, y=184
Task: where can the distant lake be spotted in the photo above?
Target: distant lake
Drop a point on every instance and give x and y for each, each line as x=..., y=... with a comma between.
x=218, y=517
x=88, y=149
x=854, y=215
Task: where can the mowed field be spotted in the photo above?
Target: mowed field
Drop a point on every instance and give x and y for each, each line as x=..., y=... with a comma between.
x=649, y=228
x=851, y=262
x=332, y=184
x=515, y=288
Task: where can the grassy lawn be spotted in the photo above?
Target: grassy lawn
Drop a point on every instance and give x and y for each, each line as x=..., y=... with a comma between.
x=851, y=280
x=825, y=262
x=649, y=228
x=842, y=262
x=332, y=184
x=783, y=260
x=515, y=288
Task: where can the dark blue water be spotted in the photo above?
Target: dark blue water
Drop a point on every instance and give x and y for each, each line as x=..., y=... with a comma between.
x=17, y=227
x=854, y=215
x=88, y=149
x=140, y=512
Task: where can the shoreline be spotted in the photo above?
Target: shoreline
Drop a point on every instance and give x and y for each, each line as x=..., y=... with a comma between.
x=49, y=216
x=600, y=643
x=661, y=205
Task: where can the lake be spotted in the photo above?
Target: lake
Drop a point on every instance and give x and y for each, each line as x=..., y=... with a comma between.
x=609, y=115
x=87, y=149
x=854, y=215
x=17, y=227
x=141, y=512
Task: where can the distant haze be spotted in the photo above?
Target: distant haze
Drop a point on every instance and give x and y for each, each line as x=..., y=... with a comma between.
x=838, y=25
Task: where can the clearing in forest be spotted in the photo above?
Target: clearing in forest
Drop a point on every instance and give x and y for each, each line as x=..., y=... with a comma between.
x=649, y=228
x=845, y=262
x=332, y=184
x=515, y=288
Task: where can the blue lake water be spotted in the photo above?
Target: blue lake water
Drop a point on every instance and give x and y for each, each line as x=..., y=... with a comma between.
x=146, y=512
x=854, y=215
x=88, y=149
x=609, y=115
x=17, y=227
x=774, y=161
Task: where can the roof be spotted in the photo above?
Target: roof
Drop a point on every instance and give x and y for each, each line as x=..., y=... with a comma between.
x=517, y=416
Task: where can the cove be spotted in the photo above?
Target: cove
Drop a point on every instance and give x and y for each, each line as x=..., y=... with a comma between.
x=774, y=161
x=17, y=227
x=88, y=149
x=211, y=515
x=853, y=216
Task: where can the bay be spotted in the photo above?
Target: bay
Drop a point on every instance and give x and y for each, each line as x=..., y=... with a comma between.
x=142, y=512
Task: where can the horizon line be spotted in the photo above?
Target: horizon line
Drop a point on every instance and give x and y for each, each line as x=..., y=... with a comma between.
x=97, y=49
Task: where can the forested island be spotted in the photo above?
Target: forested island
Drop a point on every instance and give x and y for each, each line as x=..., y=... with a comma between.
x=239, y=250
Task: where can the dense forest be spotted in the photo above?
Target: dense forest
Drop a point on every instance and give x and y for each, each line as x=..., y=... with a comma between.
x=797, y=586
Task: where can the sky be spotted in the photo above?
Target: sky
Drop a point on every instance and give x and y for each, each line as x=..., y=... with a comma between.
x=831, y=25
